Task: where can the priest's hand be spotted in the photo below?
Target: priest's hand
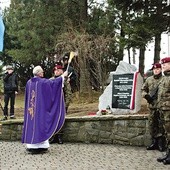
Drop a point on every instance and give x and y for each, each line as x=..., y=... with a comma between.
x=65, y=74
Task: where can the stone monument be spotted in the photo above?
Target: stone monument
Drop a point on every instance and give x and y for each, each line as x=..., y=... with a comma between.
x=123, y=94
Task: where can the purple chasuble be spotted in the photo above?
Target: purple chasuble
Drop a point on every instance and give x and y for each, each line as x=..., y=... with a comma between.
x=44, y=112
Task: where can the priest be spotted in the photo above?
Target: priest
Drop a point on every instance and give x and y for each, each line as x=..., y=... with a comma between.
x=44, y=112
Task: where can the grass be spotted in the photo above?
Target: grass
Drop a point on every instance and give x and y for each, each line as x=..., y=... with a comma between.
x=81, y=104
x=77, y=99
x=19, y=101
x=19, y=105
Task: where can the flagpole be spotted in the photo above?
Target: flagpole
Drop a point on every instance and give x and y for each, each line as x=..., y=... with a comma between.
x=72, y=54
x=68, y=65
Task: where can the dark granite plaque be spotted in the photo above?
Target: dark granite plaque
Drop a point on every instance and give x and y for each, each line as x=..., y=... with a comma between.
x=122, y=90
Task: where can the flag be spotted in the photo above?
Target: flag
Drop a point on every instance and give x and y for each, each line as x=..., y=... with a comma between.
x=2, y=29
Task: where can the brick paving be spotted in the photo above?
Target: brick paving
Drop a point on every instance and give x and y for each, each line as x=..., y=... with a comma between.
x=79, y=156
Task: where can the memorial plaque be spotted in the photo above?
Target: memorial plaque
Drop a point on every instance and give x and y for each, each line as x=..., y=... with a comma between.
x=122, y=90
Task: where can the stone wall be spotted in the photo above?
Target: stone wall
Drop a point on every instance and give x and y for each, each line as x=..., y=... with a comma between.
x=11, y=129
x=109, y=129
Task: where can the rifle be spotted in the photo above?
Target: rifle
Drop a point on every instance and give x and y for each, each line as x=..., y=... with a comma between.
x=154, y=93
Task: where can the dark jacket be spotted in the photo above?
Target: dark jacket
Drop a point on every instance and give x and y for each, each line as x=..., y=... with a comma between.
x=73, y=78
x=10, y=83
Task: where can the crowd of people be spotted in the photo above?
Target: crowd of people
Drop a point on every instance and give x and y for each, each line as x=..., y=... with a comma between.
x=47, y=102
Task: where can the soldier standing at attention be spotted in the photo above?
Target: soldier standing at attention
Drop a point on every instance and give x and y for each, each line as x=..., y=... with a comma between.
x=164, y=106
x=58, y=71
x=149, y=92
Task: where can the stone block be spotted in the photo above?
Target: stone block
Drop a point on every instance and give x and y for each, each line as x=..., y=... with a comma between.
x=105, y=141
x=136, y=123
x=104, y=134
x=137, y=141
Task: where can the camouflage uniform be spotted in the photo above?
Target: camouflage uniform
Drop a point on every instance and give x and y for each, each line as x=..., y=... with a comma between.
x=164, y=107
x=155, y=126
x=164, y=104
x=67, y=93
x=150, y=84
x=67, y=97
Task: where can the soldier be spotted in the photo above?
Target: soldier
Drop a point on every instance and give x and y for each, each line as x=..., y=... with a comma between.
x=164, y=106
x=58, y=71
x=149, y=92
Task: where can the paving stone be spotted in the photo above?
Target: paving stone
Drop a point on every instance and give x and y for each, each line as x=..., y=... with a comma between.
x=79, y=156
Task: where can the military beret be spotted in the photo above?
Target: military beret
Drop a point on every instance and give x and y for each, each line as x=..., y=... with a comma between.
x=165, y=60
x=58, y=66
x=156, y=65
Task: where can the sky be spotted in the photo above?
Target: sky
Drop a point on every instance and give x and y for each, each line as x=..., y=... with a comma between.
x=149, y=54
x=4, y=3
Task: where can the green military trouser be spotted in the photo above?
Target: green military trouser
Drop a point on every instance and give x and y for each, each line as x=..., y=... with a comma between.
x=165, y=119
x=155, y=124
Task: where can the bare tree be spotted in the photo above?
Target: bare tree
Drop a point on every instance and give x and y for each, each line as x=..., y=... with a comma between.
x=93, y=53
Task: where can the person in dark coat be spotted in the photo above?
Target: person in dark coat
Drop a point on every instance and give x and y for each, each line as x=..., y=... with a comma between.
x=72, y=74
x=10, y=81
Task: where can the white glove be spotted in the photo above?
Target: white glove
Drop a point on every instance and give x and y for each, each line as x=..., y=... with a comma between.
x=65, y=74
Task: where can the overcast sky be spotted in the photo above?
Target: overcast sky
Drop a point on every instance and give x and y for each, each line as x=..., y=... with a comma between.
x=149, y=53
x=4, y=3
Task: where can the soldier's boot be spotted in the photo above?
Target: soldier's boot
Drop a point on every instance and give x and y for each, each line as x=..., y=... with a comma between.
x=51, y=140
x=162, y=144
x=167, y=160
x=60, y=141
x=154, y=145
x=161, y=159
